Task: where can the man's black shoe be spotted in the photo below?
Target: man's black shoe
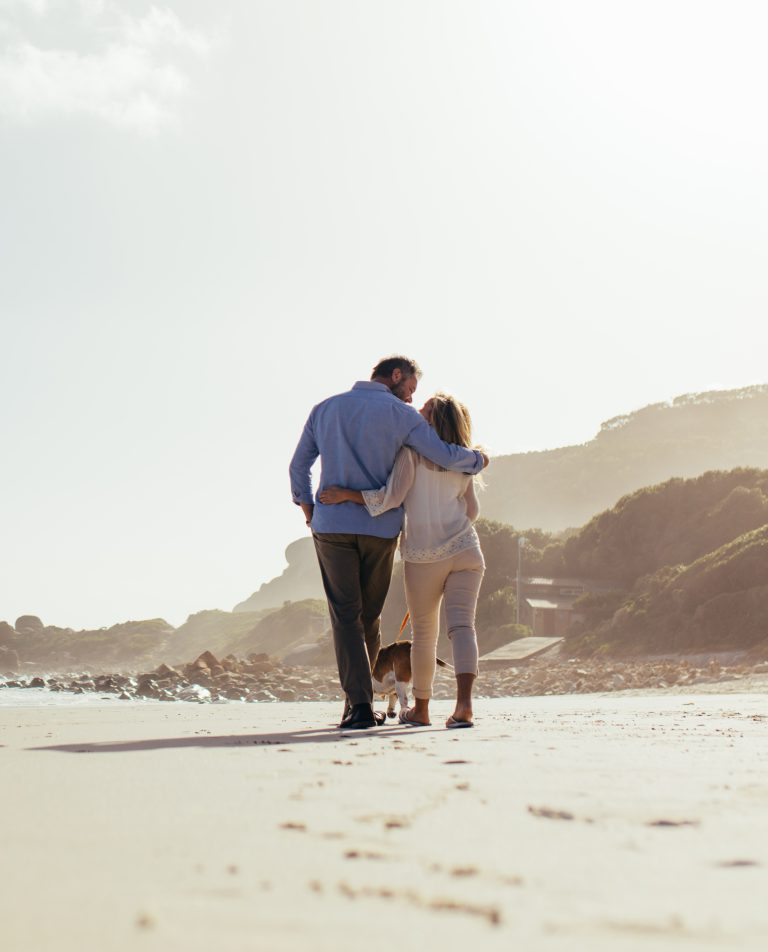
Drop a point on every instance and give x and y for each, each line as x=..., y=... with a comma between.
x=360, y=717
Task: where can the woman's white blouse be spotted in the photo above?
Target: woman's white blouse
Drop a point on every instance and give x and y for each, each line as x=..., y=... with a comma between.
x=440, y=507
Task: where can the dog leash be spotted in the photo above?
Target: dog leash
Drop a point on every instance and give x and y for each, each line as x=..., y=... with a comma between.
x=402, y=626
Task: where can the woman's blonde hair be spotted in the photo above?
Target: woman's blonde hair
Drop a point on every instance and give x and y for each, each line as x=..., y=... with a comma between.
x=450, y=419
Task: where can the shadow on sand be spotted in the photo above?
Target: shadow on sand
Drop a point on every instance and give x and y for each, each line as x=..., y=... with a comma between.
x=321, y=735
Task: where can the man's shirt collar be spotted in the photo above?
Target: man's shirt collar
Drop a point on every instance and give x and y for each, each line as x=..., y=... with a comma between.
x=371, y=385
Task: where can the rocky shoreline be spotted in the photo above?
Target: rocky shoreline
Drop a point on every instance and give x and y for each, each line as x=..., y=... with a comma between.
x=261, y=678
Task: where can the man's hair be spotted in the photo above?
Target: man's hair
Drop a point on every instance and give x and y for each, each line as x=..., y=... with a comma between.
x=388, y=365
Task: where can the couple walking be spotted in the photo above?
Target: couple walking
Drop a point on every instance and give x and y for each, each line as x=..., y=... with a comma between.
x=379, y=457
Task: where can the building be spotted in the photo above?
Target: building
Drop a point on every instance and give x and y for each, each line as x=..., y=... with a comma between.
x=547, y=604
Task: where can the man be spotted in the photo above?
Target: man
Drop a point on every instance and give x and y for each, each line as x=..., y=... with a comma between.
x=357, y=435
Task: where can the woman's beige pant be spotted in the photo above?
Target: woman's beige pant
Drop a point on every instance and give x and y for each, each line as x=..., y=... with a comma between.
x=457, y=579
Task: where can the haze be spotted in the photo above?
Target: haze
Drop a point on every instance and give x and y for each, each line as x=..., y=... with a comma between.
x=213, y=216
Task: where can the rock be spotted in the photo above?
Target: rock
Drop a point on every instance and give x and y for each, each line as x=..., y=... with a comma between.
x=9, y=662
x=7, y=633
x=283, y=695
x=209, y=660
x=165, y=671
x=619, y=681
x=27, y=623
x=146, y=687
x=259, y=667
x=36, y=683
x=201, y=676
x=106, y=683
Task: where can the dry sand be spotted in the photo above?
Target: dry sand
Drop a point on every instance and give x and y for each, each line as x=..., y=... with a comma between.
x=595, y=822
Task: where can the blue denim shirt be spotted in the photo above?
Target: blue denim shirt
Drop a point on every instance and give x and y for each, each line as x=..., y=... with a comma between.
x=357, y=435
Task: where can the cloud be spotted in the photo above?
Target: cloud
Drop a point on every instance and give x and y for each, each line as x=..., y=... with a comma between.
x=162, y=27
x=120, y=85
x=128, y=71
x=37, y=7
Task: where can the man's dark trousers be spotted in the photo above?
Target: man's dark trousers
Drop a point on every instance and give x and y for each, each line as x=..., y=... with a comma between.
x=356, y=570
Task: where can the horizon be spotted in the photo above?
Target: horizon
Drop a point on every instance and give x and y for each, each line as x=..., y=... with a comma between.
x=211, y=217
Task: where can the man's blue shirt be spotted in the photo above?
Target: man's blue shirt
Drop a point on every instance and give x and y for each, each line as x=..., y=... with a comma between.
x=357, y=435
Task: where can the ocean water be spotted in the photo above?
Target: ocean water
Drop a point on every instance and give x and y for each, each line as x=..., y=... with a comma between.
x=41, y=697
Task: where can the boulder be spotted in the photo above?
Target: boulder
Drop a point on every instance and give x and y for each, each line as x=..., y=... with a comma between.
x=27, y=623
x=146, y=686
x=166, y=671
x=258, y=667
x=209, y=660
x=9, y=662
x=7, y=633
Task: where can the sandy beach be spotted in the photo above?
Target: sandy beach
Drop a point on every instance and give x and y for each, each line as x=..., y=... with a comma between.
x=601, y=822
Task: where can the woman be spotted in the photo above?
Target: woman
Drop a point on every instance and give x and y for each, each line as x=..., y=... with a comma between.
x=441, y=553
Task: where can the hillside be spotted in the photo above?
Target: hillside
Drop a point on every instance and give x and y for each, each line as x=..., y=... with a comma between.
x=555, y=489
x=208, y=631
x=718, y=603
x=299, y=580
x=127, y=644
x=673, y=523
x=281, y=631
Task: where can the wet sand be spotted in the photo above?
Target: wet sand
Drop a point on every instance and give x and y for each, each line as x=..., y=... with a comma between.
x=594, y=822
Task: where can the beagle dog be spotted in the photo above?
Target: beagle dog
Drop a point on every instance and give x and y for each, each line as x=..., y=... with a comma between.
x=391, y=674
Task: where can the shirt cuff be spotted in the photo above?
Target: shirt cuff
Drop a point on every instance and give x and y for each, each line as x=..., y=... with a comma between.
x=301, y=499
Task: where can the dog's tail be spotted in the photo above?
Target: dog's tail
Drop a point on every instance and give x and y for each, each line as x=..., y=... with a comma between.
x=444, y=664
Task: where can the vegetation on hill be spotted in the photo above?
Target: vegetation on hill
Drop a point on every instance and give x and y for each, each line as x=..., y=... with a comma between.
x=692, y=434
x=718, y=602
x=673, y=523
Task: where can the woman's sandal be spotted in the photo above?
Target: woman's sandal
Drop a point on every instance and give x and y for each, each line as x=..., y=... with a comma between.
x=404, y=719
x=453, y=723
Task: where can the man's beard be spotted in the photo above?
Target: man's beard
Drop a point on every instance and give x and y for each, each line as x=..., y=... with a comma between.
x=399, y=390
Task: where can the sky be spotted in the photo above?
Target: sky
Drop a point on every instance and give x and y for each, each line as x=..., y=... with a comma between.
x=213, y=216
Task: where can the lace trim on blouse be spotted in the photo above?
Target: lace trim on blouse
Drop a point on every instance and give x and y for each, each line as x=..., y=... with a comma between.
x=466, y=540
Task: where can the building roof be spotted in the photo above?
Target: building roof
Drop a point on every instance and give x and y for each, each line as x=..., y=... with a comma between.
x=521, y=649
x=562, y=602
x=587, y=584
